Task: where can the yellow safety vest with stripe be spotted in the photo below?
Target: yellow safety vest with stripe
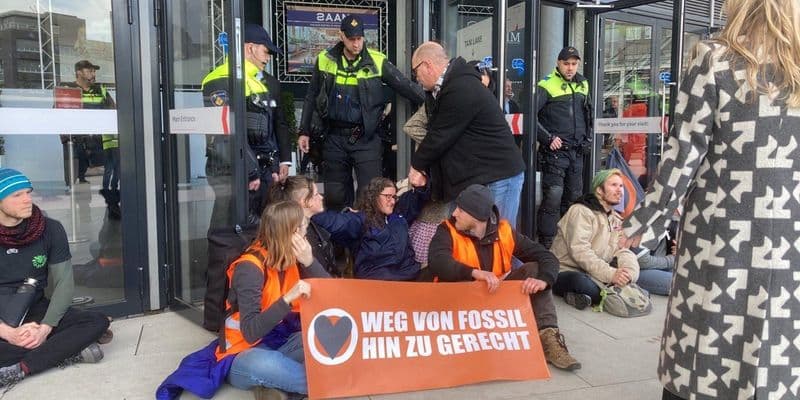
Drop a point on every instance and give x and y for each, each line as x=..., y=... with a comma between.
x=94, y=99
x=271, y=292
x=252, y=85
x=567, y=113
x=342, y=77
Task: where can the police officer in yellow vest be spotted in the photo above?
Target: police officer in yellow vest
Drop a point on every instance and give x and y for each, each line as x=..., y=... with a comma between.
x=93, y=96
x=344, y=103
x=269, y=155
x=565, y=136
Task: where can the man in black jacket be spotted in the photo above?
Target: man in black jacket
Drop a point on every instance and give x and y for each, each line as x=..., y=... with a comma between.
x=475, y=244
x=345, y=104
x=468, y=140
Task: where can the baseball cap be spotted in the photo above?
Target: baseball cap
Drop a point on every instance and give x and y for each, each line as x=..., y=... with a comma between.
x=568, y=52
x=257, y=34
x=352, y=26
x=85, y=64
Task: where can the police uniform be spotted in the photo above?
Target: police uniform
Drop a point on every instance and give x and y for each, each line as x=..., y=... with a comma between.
x=344, y=104
x=267, y=132
x=95, y=97
x=564, y=111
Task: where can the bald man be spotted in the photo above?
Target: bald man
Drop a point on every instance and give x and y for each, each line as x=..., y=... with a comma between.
x=468, y=140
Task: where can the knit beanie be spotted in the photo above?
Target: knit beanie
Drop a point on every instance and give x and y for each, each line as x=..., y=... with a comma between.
x=477, y=201
x=11, y=181
x=601, y=176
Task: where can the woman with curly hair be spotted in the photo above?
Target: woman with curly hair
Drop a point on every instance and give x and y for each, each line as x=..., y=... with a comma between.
x=377, y=234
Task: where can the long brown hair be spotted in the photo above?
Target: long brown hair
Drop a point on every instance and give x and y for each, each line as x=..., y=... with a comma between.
x=766, y=34
x=369, y=202
x=278, y=223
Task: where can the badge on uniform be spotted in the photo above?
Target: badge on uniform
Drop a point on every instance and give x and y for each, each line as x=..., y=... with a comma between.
x=219, y=98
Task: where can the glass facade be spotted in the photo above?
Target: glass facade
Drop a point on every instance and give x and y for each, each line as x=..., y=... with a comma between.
x=58, y=103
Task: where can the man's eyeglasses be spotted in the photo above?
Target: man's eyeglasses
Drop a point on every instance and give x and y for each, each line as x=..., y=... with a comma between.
x=389, y=196
x=414, y=70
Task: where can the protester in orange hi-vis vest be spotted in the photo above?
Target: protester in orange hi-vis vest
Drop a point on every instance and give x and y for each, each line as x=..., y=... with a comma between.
x=262, y=327
x=475, y=244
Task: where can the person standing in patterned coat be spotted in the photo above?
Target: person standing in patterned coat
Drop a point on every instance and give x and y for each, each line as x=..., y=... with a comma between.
x=733, y=161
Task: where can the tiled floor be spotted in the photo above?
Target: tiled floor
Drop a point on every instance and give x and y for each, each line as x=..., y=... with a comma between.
x=619, y=359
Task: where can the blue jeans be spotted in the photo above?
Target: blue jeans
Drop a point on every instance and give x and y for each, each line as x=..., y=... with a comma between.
x=262, y=366
x=577, y=282
x=506, y=194
x=655, y=281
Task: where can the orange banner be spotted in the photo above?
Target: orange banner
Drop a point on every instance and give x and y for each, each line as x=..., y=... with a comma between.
x=366, y=337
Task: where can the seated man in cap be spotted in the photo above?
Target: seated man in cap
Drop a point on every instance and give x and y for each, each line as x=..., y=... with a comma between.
x=475, y=244
x=34, y=253
x=269, y=155
x=587, y=244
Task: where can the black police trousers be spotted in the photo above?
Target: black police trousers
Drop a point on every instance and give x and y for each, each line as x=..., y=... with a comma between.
x=562, y=184
x=341, y=158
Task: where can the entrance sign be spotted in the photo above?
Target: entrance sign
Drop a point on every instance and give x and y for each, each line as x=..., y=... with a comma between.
x=366, y=337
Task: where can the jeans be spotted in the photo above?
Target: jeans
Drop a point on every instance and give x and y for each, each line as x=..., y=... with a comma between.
x=76, y=330
x=562, y=184
x=576, y=282
x=655, y=281
x=506, y=194
x=280, y=369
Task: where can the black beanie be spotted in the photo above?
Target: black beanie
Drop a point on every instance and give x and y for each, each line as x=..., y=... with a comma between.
x=477, y=201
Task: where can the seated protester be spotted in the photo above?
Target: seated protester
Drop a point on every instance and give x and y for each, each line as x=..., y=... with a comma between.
x=261, y=345
x=377, y=234
x=34, y=246
x=588, y=241
x=475, y=244
x=655, y=267
x=304, y=192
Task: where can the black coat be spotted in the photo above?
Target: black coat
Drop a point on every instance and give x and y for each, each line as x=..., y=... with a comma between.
x=469, y=140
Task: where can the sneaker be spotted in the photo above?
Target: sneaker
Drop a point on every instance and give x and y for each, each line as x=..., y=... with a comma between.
x=82, y=180
x=10, y=375
x=555, y=350
x=90, y=355
x=578, y=300
x=265, y=393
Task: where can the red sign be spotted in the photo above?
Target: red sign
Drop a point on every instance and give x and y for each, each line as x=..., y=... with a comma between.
x=366, y=337
x=515, y=123
x=67, y=97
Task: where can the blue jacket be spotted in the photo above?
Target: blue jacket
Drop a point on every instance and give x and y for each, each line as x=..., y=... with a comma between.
x=199, y=373
x=380, y=253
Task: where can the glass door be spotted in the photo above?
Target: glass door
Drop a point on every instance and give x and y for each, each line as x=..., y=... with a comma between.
x=203, y=168
x=68, y=124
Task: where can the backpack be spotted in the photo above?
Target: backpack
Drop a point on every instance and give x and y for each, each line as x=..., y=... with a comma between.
x=225, y=245
x=627, y=301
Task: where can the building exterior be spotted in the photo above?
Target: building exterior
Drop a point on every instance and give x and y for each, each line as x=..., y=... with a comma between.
x=153, y=58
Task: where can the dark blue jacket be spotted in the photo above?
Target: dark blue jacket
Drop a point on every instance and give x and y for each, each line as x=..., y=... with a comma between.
x=199, y=373
x=380, y=253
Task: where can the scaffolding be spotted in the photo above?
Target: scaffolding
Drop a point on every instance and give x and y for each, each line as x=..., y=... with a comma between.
x=217, y=10
x=47, y=53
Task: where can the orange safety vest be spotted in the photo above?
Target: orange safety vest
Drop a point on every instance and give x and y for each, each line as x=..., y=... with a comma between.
x=235, y=342
x=502, y=250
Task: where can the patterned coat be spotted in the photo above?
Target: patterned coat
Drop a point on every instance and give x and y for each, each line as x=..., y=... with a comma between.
x=733, y=317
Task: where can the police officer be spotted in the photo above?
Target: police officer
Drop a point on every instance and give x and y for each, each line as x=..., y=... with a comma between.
x=93, y=97
x=345, y=103
x=564, y=137
x=269, y=156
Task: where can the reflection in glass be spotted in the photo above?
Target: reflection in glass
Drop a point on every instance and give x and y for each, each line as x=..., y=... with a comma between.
x=75, y=171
